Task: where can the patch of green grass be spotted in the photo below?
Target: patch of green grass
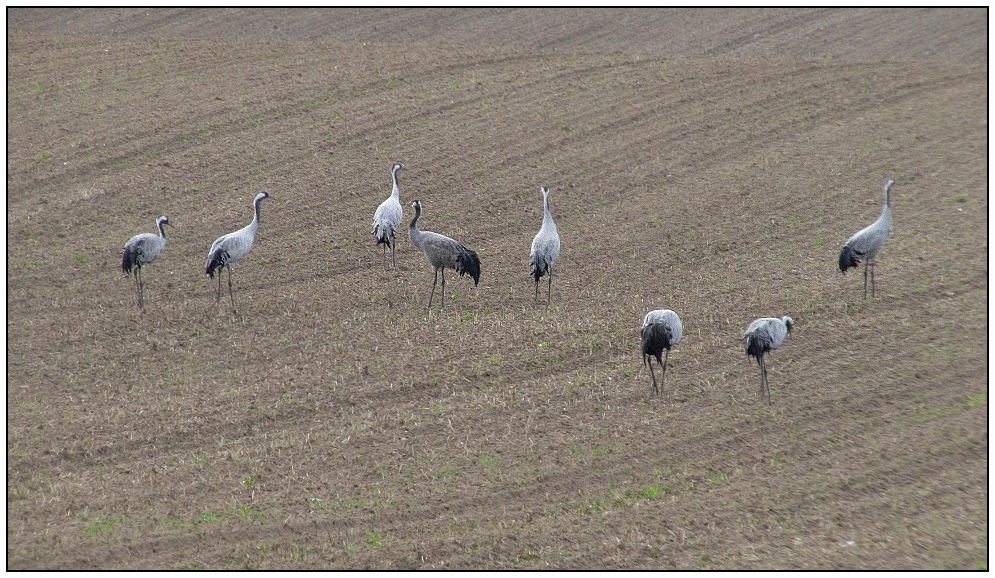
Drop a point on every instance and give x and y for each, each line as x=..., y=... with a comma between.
x=249, y=513
x=208, y=517
x=248, y=482
x=651, y=491
x=374, y=539
x=925, y=415
x=718, y=478
x=103, y=526
x=80, y=256
x=818, y=243
x=494, y=359
x=469, y=316
x=493, y=463
x=976, y=399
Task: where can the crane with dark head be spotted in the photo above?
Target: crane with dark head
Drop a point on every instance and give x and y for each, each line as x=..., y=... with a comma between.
x=229, y=249
x=387, y=218
x=865, y=243
x=762, y=336
x=662, y=329
x=443, y=252
x=545, y=248
x=141, y=250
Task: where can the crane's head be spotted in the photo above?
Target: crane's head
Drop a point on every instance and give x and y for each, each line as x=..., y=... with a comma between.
x=544, y=191
x=417, y=205
x=261, y=196
x=788, y=322
x=887, y=188
x=396, y=167
x=163, y=220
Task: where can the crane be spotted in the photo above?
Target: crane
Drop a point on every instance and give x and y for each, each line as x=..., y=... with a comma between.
x=141, y=250
x=865, y=243
x=662, y=329
x=545, y=248
x=762, y=336
x=387, y=218
x=443, y=252
x=229, y=249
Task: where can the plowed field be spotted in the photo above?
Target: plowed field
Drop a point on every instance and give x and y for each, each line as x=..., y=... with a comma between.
x=710, y=162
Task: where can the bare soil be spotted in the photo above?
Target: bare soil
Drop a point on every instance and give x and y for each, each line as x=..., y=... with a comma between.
x=710, y=162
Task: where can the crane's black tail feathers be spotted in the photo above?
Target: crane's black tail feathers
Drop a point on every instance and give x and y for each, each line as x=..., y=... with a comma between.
x=469, y=263
x=217, y=261
x=655, y=339
x=539, y=267
x=129, y=260
x=756, y=347
x=383, y=234
x=849, y=258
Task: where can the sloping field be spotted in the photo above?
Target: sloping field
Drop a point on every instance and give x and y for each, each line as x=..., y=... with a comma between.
x=709, y=162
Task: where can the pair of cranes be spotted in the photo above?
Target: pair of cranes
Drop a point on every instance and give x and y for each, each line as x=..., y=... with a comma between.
x=662, y=328
x=444, y=252
x=226, y=250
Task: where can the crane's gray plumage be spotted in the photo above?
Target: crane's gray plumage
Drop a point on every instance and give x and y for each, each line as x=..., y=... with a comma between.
x=141, y=250
x=865, y=243
x=387, y=218
x=442, y=253
x=662, y=329
x=545, y=248
x=229, y=249
x=762, y=336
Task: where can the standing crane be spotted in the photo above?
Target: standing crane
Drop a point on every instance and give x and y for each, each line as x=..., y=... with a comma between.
x=762, y=336
x=387, y=218
x=865, y=243
x=228, y=249
x=443, y=252
x=662, y=329
x=141, y=250
x=545, y=248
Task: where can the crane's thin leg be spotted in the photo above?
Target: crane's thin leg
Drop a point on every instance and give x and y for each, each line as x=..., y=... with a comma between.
x=217, y=300
x=393, y=261
x=647, y=360
x=141, y=290
x=663, y=374
x=872, y=280
x=537, y=289
x=230, y=294
x=865, y=279
x=766, y=383
x=549, y=287
x=441, y=307
x=385, y=257
x=434, y=282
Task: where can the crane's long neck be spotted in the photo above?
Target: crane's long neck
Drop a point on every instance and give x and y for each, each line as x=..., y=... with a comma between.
x=162, y=228
x=395, y=192
x=547, y=217
x=886, y=210
x=255, y=219
x=413, y=232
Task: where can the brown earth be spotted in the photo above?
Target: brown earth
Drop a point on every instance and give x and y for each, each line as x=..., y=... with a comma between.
x=711, y=162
